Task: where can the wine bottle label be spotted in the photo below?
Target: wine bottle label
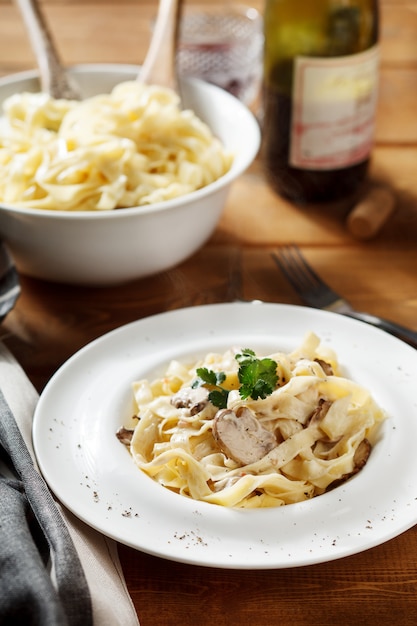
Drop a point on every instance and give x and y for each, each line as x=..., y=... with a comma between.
x=334, y=106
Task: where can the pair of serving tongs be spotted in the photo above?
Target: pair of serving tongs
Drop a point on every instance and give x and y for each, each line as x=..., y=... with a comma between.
x=158, y=68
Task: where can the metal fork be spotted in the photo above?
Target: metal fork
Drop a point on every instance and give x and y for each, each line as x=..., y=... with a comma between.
x=314, y=292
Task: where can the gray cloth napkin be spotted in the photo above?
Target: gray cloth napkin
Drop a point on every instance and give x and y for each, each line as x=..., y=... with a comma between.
x=54, y=569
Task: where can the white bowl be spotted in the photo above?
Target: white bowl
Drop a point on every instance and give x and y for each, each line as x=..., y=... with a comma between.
x=104, y=248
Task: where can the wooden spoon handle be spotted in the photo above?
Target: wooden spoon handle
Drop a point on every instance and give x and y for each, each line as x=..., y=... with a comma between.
x=159, y=65
x=53, y=77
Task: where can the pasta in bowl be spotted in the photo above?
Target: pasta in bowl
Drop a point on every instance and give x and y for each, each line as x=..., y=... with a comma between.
x=122, y=185
x=131, y=147
x=241, y=431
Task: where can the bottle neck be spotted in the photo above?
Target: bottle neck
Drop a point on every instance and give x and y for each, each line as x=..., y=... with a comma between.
x=323, y=28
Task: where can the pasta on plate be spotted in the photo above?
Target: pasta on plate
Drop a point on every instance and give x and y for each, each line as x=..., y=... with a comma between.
x=132, y=147
x=198, y=435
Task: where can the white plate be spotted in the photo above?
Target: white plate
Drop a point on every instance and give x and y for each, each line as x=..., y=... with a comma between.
x=94, y=476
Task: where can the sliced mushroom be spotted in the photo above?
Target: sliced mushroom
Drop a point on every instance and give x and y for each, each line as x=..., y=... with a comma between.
x=361, y=455
x=326, y=367
x=193, y=399
x=320, y=411
x=125, y=435
x=241, y=437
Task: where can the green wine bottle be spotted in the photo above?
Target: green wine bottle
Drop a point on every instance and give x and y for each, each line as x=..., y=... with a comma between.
x=319, y=96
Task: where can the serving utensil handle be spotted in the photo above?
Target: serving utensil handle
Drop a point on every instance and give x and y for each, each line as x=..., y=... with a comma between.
x=159, y=66
x=53, y=77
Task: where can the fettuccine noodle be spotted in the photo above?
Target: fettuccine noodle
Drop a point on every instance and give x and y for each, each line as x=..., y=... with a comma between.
x=312, y=450
x=132, y=147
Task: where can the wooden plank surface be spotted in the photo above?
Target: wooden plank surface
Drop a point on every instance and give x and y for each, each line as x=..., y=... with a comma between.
x=51, y=321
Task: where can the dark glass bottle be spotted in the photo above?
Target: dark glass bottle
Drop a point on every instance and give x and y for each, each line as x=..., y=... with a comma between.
x=319, y=96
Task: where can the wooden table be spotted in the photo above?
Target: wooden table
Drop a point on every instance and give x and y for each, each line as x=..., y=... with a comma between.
x=51, y=321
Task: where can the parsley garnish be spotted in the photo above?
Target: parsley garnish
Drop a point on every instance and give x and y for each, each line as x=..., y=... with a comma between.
x=212, y=381
x=257, y=377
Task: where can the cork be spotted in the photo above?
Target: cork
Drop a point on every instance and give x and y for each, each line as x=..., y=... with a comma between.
x=371, y=213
